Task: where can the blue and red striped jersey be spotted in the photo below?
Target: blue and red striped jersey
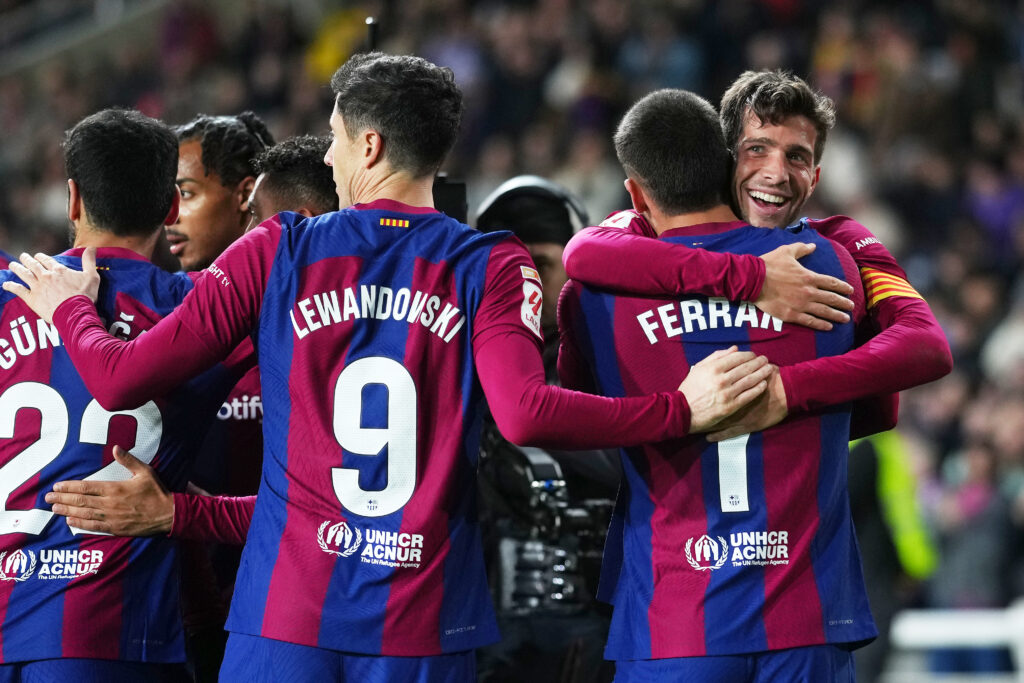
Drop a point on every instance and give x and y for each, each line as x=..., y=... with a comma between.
x=66, y=593
x=364, y=537
x=377, y=328
x=741, y=546
x=5, y=259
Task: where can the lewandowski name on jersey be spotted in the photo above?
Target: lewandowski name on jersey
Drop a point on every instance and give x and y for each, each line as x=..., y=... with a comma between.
x=380, y=302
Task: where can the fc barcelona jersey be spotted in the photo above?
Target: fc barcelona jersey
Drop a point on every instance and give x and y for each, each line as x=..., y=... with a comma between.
x=734, y=547
x=364, y=537
x=65, y=592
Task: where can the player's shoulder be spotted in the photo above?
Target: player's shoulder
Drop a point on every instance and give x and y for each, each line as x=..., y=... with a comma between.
x=850, y=233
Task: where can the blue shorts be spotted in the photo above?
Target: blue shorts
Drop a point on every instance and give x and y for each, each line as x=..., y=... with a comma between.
x=813, y=664
x=252, y=659
x=92, y=671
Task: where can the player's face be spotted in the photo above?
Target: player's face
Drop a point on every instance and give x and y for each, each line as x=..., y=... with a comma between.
x=342, y=157
x=547, y=256
x=211, y=216
x=775, y=170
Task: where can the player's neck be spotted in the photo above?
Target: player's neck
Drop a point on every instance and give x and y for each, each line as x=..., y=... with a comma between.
x=397, y=187
x=87, y=235
x=662, y=222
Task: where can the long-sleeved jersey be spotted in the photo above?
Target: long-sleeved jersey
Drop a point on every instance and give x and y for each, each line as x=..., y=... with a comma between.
x=70, y=593
x=734, y=547
x=903, y=345
x=379, y=328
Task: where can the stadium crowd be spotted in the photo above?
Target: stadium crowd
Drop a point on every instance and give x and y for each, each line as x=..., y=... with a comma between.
x=928, y=153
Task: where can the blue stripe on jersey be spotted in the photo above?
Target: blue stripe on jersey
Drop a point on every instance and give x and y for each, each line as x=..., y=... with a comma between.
x=260, y=552
x=839, y=575
x=735, y=595
x=598, y=315
x=370, y=337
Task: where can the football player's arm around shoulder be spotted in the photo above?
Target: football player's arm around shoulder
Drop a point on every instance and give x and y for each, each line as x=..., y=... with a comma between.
x=211, y=321
x=622, y=254
x=507, y=353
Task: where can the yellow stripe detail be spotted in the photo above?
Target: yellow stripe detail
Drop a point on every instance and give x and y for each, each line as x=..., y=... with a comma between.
x=879, y=285
x=394, y=222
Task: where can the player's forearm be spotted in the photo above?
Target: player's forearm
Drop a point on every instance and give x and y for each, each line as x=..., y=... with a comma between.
x=618, y=259
x=910, y=350
x=217, y=519
x=529, y=412
x=123, y=375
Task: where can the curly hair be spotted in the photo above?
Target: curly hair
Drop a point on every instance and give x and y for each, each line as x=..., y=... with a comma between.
x=229, y=144
x=295, y=172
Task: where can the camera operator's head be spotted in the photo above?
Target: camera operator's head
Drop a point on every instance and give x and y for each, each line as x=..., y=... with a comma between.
x=544, y=215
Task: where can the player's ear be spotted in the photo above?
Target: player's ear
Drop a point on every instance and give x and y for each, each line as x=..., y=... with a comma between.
x=74, y=201
x=242, y=193
x=636, y=194
x=304, y=211
x=172, y=215
x=814, y=180
x=373, y=147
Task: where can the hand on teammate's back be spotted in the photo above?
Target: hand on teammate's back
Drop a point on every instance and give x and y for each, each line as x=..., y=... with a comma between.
x=723, y=383
x=136, y=506
x=48, y=283
x=795, y=294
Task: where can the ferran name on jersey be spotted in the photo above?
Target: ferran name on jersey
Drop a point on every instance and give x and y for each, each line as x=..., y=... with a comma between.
x=380, y=302
x=679, y=317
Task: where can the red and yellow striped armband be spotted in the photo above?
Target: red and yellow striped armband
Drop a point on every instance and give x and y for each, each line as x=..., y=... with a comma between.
x=880, y=285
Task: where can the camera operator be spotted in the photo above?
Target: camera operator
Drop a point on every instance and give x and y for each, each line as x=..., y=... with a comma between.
x=544, y=513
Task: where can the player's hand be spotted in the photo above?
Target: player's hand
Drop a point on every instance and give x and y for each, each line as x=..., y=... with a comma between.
x=48, y=283
x=766, y=410
x=723, y=383
x=795, y=294
x=139, y=506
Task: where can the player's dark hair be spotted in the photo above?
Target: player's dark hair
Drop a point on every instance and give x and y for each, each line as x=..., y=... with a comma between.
x=414, y=105
x=124, y=164
x=295, y=173
x=229, y=144
x=671, y=143
x=773, y=96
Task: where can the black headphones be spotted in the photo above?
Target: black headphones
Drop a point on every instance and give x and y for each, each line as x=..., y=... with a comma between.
x=536, y=186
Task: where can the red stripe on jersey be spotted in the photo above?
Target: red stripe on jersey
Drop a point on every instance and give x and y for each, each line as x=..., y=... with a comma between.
x=411, y=618
x=298, y=587
x=85, y=632
x=676, y=489
x=791, y=594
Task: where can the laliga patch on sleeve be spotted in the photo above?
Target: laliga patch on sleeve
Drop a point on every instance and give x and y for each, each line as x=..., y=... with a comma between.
x=529, y=273
x=621, y=219
x=533, y=299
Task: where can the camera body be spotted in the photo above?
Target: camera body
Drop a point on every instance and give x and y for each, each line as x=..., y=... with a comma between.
x=549, y=546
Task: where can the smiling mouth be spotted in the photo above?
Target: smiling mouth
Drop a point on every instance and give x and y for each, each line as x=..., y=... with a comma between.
x=767, y=200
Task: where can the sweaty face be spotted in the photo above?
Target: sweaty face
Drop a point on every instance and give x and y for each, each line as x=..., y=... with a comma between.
x=547, y=256
x=775, y=170
x=211, y=215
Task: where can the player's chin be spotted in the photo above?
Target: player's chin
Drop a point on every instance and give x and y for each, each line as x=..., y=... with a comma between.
x=768, y=216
